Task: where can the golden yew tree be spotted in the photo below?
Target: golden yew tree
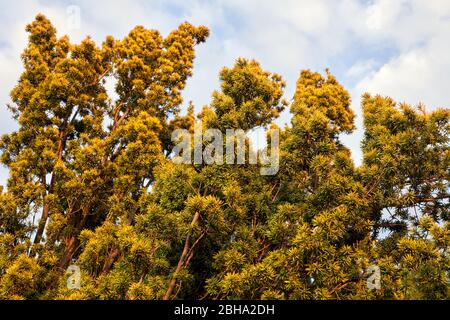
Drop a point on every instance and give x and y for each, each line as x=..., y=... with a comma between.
x=330, y=224
x=69, y=171
x=314, y=237
x=406, y=156
x=92, y=182
x=194, y=210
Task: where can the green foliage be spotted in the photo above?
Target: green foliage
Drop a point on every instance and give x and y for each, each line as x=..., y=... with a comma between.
x=92, y=183
x=250, y=97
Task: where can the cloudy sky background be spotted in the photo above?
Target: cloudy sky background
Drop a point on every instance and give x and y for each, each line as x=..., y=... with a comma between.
x=399, y=48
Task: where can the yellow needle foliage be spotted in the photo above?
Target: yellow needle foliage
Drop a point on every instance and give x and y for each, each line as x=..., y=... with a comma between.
x=91, y=183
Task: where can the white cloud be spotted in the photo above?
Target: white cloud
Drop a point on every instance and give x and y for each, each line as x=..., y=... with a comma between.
x=383, y=14
x=361, y=68
x=418, y=75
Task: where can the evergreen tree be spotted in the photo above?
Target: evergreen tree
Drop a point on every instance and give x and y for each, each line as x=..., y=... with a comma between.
x=315, y=237
x=93, y=181
x=406, y=159
x=67, y=169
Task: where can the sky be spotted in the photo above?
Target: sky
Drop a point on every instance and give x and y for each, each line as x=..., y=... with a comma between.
x=399, y=48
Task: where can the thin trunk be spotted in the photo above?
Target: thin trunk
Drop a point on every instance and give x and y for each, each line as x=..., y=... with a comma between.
x=112, y=256
x=116, y=122
x=115, y=253
x=182, y=260
x=41, y=226
x=46, y=209
x=72, y=241
x=68, y=252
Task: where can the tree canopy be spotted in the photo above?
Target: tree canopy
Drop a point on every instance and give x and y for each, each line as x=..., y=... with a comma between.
x=92, y=182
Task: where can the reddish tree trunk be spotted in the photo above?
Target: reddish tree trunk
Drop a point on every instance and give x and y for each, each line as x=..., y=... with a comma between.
x=182, y=260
